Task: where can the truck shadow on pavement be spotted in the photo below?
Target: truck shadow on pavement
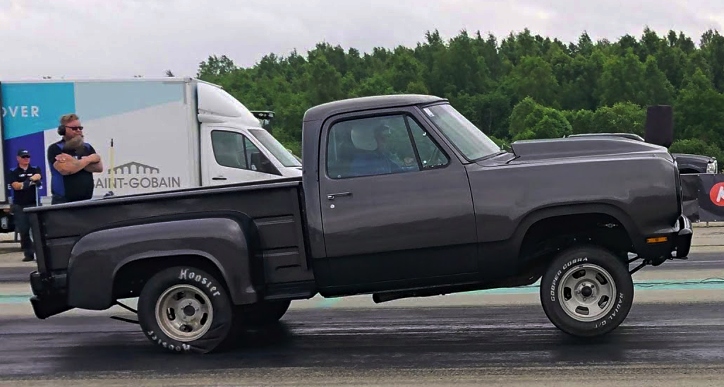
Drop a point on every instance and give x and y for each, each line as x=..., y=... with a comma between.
x=281, y=345
x=371, y=339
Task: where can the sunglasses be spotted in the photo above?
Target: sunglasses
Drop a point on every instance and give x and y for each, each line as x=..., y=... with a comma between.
x=24, y=157
x=76, y=128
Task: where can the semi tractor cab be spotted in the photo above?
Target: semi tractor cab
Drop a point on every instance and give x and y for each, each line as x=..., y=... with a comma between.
x=152, y=134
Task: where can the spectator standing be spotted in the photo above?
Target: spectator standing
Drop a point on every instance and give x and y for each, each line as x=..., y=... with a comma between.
x=24, y=182
x=73, y=162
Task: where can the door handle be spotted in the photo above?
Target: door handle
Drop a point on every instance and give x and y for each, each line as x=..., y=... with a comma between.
x=334, y=195
x=218, y=178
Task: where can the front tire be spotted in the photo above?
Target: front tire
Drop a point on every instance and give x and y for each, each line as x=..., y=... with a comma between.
x=587, y=291
x=185, y=310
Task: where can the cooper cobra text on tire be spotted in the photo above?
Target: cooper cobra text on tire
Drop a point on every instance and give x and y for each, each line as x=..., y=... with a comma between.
x=185, y=309
x=587, y=291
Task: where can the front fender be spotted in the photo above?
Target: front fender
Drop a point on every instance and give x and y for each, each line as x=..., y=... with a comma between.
x=98, y=256
x=542, y=213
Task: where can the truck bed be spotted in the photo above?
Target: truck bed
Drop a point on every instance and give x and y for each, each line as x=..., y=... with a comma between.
x=275, y=208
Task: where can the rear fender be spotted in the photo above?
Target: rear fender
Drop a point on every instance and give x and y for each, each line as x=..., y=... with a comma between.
x=98, y=256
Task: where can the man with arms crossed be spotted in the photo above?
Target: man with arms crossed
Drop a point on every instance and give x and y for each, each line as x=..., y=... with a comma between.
x=73, y=162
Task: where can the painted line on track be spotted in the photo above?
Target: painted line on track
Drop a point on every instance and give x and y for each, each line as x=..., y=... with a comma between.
x=14, y=299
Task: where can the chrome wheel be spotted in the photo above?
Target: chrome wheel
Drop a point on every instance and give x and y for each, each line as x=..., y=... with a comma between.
x=184, y=313
x=586, y=292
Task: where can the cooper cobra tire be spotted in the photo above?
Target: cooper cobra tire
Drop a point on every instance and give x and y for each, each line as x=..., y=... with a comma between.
x=586, y=291
x=185, y=310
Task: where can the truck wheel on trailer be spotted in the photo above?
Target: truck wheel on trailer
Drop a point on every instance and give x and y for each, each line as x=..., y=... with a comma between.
x=262, y=313
x=587, y=291
x=185, y=309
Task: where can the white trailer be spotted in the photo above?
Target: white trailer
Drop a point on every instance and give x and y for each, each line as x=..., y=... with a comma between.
x=152, y=134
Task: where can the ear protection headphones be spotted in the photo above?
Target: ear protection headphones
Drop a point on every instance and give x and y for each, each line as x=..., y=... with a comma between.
x=67, y=118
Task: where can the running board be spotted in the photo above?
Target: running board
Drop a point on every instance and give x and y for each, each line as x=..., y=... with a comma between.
x=123, y=318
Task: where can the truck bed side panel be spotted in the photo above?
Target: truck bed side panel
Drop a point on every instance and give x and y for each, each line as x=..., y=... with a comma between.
x=273, y=207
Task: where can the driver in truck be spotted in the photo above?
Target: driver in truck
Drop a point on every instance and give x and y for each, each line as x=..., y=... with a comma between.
x=372, y=156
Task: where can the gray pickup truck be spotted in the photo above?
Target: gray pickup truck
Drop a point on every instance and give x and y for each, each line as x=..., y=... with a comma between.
x=401, y=196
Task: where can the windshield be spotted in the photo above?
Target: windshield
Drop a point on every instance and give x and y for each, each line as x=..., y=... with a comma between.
x=275, y=148
x=464, y=135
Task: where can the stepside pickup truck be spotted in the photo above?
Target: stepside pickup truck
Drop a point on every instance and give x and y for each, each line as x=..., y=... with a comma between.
x=401, y=196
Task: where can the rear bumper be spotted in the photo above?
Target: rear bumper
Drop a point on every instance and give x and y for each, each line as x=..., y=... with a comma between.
x=49, y=294
x=681, y=240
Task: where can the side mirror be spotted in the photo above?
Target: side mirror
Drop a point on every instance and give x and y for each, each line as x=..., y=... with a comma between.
x=261, y=163
x=660, y=125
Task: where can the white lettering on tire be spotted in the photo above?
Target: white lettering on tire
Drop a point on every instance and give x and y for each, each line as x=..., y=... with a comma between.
x=553, y=285
x=613, y=314
x=565, y=266
x=171, y=347
x=205, y=282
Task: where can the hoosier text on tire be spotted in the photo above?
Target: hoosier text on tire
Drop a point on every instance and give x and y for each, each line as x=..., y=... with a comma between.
x=185, y=309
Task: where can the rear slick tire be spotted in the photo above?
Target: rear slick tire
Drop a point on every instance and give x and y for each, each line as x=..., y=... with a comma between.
x=184, y=309
x=587, y=291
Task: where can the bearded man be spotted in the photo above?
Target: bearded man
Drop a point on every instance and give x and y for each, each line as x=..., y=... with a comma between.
x=73, y=163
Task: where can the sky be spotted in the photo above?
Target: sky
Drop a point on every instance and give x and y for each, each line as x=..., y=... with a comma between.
x=123, y=38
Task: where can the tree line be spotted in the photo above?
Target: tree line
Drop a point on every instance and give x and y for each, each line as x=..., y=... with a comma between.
x=521, y=87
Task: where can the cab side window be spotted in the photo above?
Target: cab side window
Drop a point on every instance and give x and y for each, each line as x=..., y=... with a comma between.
x=379, y=146
x=228, y=149
x=431, y=156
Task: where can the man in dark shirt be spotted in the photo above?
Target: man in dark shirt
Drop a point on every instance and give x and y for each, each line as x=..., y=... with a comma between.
x=72, y=162
x=24, y=181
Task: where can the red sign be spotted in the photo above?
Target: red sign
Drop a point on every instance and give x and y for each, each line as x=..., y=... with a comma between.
x=716, y=194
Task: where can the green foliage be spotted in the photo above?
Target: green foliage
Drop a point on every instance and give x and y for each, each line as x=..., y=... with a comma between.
x=531, y=120
x=523, y=86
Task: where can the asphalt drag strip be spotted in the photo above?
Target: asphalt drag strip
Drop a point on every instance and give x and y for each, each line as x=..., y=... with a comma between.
x=674, y=335
x=659, y=344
